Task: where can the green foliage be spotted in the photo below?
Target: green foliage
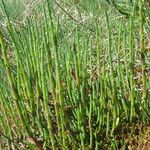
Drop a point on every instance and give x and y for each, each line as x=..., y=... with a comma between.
x=72, y=76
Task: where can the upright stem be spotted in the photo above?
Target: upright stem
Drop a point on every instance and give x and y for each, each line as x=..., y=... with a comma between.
x=141, y=20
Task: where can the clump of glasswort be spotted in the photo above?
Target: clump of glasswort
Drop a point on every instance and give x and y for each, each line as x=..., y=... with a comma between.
x=71, y=92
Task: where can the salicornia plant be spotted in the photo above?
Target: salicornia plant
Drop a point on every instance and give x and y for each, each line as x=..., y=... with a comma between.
x=67, y=83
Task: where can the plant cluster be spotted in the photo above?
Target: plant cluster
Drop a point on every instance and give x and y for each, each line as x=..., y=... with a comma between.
x=70, y=84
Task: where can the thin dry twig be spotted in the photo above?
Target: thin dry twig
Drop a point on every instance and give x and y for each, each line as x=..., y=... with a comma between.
x=65, y=11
